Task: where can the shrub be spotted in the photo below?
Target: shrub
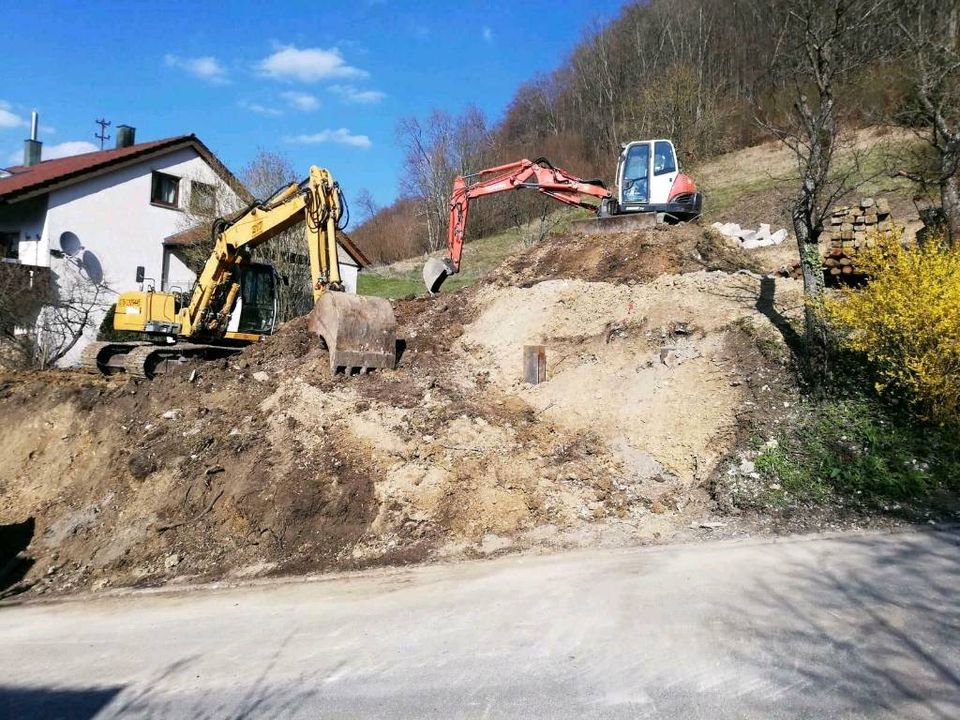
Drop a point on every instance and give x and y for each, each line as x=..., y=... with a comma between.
x=906, y=321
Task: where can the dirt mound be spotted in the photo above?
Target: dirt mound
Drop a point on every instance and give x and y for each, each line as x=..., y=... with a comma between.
x=267, y=463
x=625, y=257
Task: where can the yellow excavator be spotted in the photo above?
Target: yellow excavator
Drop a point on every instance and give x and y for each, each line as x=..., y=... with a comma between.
x=234, y=301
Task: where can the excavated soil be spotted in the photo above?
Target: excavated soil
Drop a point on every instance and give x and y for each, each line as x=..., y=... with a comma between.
x=658, y=354
x=626, y=257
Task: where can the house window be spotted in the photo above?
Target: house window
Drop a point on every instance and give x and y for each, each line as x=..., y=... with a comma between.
x=166, y=190
x=9, y=245
x=203, y=198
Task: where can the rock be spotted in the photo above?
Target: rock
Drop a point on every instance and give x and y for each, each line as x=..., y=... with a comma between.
x=172, y=561
x=709, y=525
x=213, y=470
x=491, y=542
x=747, y=467
x=172, y=414
x=260, y=376
x=141, y=464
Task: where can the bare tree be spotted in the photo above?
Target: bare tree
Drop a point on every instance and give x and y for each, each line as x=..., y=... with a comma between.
x=435, y=150
x=367, y=207
x=73, y=310
x=824, y=43
x=22, y=296
x=932, y=32
x=288, y=253
x=45, y=312
x=263, y=176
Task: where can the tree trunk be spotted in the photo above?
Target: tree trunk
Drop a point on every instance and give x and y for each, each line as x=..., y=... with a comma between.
x=950, y=202
x=815, y=331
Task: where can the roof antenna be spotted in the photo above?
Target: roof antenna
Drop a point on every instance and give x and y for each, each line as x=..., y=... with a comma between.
x=102, y=137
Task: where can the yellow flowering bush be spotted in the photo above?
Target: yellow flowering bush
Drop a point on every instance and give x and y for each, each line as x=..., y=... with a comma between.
x=907, y=321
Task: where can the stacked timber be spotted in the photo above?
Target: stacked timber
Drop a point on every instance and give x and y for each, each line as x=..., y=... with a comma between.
x=852, y=228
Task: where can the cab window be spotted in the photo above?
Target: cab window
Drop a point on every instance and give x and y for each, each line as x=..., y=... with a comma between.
x=636, y=171
x=663, y=159
x=258, y=293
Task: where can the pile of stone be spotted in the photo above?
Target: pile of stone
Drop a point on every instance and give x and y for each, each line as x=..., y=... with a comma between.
x=751, y=239
x=850, y=229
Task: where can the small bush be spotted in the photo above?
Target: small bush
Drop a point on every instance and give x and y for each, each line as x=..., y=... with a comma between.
x=906, y=321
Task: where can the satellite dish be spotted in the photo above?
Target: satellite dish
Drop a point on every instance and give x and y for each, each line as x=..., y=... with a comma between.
x=90, y=265
x=70, y=244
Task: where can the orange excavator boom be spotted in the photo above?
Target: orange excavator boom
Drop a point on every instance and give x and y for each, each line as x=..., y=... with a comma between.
x=537, y=175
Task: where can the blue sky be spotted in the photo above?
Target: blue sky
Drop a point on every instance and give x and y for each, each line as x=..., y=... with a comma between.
x=322, y=82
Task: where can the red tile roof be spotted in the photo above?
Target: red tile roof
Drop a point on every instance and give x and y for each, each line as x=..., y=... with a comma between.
x=31, y=180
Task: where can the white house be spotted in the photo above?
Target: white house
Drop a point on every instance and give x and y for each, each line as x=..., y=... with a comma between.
x=112, y=211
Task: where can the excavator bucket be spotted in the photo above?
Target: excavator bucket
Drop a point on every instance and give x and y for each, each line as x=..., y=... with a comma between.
x=360, y=332
x=435, y=271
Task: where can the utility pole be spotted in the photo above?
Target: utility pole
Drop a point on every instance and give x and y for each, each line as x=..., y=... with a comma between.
x=104, y=124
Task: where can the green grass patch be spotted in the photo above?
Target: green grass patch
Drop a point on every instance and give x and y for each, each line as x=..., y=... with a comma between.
x=720, y=196
x=861, y=450
x=405, y=278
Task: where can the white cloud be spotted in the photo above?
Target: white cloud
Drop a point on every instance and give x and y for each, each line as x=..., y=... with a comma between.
x=65, y=149
x=301, y=100
x=52, y=152
x=206, y=68
x=260, y=109
x=308, y=65
x=341, y=136
x=9, y=119
x=350, y=94
x=487, y=34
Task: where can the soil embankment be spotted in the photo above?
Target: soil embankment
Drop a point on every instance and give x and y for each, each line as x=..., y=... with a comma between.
x=659, y=354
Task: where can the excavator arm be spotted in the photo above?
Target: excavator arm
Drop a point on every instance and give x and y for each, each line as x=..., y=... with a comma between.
x=537, y=175
x=317, y=199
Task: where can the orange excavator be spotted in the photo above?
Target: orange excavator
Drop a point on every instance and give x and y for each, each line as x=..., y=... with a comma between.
x=649, y=185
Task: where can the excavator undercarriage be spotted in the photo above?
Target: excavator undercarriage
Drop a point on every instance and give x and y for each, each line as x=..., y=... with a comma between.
x=145, y=359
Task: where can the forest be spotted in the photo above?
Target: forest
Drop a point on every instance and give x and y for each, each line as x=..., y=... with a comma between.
x=712, y=75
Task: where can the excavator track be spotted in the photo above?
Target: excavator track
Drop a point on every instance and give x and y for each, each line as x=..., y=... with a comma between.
x=107, y=358
x=145, y=360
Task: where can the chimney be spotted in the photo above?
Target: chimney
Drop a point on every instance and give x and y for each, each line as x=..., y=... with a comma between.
x=32, y=147
x=125, y=136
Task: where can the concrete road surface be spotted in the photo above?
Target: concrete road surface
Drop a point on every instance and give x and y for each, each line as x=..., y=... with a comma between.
x=842, y=627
